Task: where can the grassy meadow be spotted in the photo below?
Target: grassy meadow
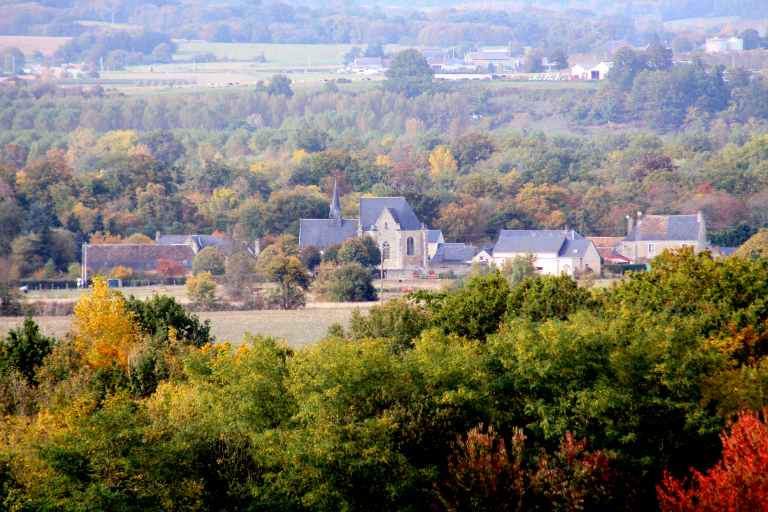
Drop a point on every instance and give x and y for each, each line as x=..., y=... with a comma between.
x=300, y=327
x=277, y=55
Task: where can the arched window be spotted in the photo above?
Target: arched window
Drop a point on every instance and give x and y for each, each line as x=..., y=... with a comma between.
x=385, y=250
x=409, y=249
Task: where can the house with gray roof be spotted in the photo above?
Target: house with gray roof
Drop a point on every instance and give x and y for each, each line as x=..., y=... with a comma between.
x=650, y=235
x=554, y=251
x=145, y=259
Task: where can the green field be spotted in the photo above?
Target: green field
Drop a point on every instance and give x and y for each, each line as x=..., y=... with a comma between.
x=277, y=55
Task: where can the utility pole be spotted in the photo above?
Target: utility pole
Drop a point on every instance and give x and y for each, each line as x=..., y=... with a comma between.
x=381, y=273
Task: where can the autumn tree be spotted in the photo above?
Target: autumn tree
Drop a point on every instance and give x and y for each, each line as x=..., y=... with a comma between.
x=739, y=481
x=442, y=164
x=201, y=289
x=170, y=268
x=210, y=259
x=104, y=331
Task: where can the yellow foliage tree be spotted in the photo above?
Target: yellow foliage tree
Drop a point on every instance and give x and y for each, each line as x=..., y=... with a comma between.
x=299, y=155
x=122, y=142
x=104, y=330
x=442, y=164
x=121, y=272
x=383, y=161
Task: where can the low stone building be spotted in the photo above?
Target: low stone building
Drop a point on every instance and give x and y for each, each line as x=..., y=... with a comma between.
x=650, y=235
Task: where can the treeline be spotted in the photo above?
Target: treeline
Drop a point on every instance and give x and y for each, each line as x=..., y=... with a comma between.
x=646, y=88
x=115, y=50
x=256, y=179
x=529, y=394
x=283, y=22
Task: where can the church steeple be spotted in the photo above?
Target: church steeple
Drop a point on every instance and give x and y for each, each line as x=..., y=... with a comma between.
x=335, y=209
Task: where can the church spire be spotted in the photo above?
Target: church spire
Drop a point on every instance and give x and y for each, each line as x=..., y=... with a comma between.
x=335, y=210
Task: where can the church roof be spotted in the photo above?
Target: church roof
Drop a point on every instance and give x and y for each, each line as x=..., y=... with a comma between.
x=323, y=233
x=371, y=208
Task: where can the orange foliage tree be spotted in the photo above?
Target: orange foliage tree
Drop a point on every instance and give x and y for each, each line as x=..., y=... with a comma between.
x=104, y=330
x=170, y=268
x=738, y=482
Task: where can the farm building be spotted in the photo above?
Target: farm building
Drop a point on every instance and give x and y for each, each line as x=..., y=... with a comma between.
x=167, y=254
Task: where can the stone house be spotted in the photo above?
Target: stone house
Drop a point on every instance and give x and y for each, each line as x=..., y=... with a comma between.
x=650, y=235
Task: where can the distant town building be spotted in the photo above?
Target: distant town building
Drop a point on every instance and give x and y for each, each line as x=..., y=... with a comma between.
x=497, y=59
x=723, y=44
x=597, y=72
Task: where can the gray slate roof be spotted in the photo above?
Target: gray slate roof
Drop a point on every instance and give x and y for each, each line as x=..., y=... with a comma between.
x=665, y=227
x=371, y=208
x=199, y=242
x=140, y=258
x=323, y=233
x=524, y=241
x=434, y=236
x=454, y=253
x=575, y=248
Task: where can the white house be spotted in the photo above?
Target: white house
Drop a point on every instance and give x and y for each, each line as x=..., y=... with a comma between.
x=596, y=72
x=723, y=44
x=579, y=72
x=600, y=71
x=484, y=257
x=554, y=252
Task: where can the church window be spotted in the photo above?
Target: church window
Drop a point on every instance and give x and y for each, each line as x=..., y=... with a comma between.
x=385, y=250
x=409, y=249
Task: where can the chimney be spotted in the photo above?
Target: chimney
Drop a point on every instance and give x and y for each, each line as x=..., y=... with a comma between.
x=157, y=236
x=630, y=225
x=701, y=244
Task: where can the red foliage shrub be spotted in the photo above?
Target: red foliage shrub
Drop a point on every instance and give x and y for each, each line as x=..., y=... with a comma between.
x=739, y=482
x=170, y=268
x=482, y=475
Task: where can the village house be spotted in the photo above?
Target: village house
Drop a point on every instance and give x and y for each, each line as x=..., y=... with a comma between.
x=145, y=259
x=723, y=45
x=586, y=72
x=650, y=235
x=554, y=251
x=608, y=249
x=453, y=258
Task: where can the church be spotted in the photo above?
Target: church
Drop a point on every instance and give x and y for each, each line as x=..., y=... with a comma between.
x=390, y=221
